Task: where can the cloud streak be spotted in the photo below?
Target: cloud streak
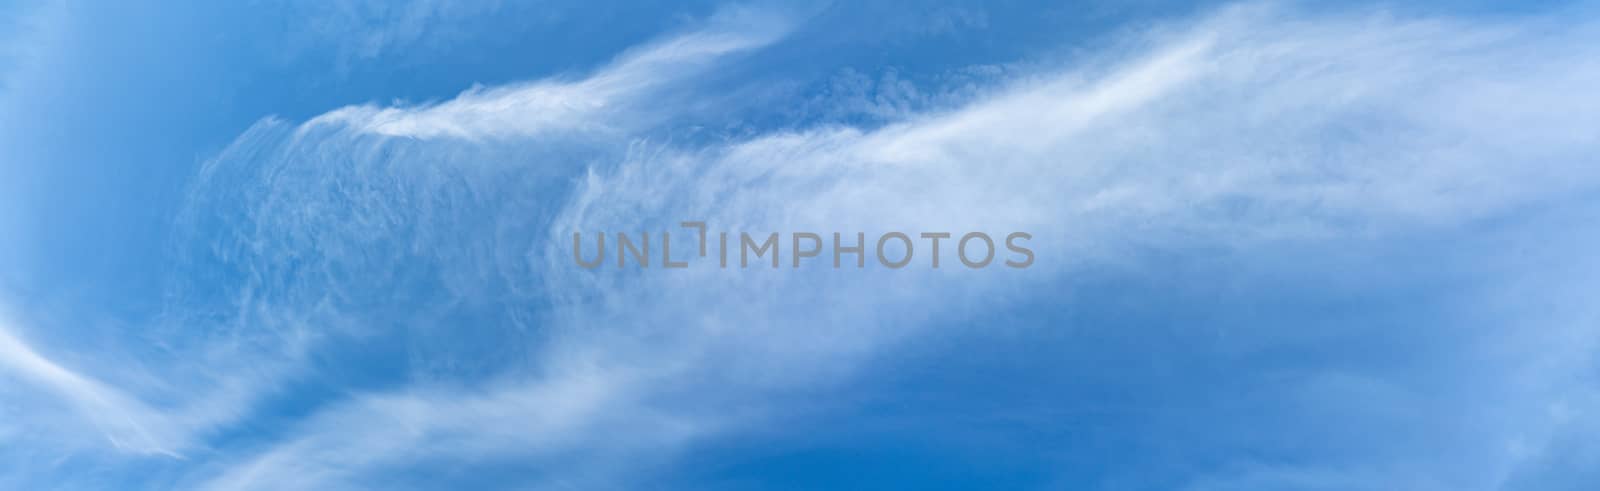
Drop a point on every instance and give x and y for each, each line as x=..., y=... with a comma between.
x=1250, y=127
x=126, y=423
x=612, y=99
x=379, y=237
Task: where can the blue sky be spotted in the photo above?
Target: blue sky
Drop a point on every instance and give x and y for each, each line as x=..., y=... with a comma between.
x=324, y=245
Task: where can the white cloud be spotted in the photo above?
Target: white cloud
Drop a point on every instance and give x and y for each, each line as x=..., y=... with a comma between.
x=125, y=422
x=1248, y=127
x=614, y=98
x=216, y=361
x=1245, y=128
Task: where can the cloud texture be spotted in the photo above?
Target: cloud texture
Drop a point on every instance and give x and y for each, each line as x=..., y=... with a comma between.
x=385, y=293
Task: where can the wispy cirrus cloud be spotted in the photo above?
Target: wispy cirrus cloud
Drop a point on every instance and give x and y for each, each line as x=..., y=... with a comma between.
x=125, y=422
x=615, y=98
x=378, y=239
x=1245, y=129
x=226, y=351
